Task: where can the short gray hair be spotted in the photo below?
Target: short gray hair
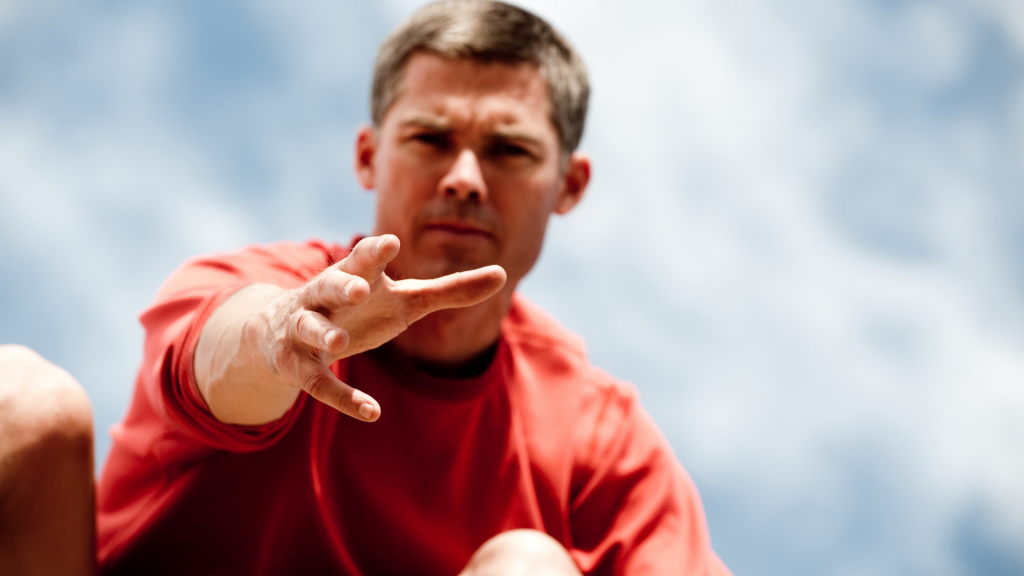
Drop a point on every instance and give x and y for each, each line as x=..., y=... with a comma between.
x=488, y=31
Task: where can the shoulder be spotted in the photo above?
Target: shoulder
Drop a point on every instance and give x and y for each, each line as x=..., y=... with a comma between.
x=298, y=258
x=541, y=341
x=571, y=409
x=284, y=263
x=551, y=366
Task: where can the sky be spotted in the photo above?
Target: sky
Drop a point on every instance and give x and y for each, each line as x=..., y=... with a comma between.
x=803, y=242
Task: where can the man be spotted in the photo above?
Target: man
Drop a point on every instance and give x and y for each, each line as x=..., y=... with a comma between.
x=396, y=407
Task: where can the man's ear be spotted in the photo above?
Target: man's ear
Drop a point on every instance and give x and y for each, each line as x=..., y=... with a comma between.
x=366, y=150
x=574, y=182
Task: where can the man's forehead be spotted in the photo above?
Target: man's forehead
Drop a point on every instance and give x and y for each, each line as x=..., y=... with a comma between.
x=429, y=70
x=447, y=93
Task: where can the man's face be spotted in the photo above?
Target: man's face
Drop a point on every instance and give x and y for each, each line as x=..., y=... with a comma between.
x=466, y=167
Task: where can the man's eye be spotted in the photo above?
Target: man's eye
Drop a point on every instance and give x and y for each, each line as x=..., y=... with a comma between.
x=432, y=139
x=506, y=149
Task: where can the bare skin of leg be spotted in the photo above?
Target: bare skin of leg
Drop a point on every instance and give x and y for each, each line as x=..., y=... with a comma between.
x=47, y=503
x=521, y=553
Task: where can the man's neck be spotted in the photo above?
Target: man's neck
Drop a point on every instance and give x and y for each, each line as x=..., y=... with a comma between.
x=453, y=342
x=471, y=368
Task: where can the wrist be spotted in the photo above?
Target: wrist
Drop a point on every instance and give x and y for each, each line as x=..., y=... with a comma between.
x=235, y=368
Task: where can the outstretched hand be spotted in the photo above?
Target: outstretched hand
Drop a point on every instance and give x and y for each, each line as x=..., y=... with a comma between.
x=351, y=307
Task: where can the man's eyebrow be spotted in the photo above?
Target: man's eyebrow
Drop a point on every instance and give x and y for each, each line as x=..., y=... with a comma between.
x=513, y=134
x=498, y=133
x=430, y=123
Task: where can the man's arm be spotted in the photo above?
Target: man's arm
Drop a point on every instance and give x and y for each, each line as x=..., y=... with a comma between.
x=264, y=345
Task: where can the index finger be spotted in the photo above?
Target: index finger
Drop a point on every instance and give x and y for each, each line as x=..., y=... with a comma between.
x=370, y=255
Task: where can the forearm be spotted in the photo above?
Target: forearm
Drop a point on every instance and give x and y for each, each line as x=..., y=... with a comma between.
x=230, y=365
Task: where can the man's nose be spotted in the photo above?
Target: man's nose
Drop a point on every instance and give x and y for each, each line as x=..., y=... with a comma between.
x=465, y=179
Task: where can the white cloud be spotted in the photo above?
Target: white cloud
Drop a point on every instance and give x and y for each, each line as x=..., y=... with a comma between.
x=823, y=384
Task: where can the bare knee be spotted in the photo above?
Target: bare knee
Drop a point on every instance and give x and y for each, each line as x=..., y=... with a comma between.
x=47, y=513
x=40, y=404
x=521, y=553
x=45, y=426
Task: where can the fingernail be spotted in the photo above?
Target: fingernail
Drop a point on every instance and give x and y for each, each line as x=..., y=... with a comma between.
x=328, y=338
x=380, y=243
x=348, y=289
x=366, y=410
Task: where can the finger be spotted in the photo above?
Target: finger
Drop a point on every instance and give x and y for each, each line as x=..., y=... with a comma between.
x=316, y=331
x=320, y=383
x=370, y=256
x=334, y=289
x=421, y=297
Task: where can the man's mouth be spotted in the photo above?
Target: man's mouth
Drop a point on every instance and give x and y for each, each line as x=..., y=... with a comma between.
x=457, y=228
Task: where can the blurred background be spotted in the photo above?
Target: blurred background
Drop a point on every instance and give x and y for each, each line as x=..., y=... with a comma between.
x=804, y=241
